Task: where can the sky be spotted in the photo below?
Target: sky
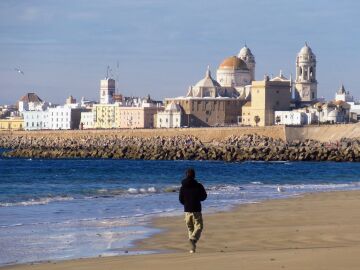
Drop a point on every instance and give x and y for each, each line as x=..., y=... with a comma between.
x=161, y=47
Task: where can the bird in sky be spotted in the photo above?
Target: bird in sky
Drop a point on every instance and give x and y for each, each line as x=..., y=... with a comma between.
x=18, y=70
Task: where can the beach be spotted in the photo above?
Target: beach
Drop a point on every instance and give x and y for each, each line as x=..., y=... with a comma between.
x=312, y=231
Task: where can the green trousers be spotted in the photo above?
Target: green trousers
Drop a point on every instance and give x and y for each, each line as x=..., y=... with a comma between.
x=194, y=223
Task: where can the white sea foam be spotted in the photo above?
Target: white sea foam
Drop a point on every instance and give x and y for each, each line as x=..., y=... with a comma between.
x=133, y=190
x=141, y=190
x=37, y=201
x=256, y=183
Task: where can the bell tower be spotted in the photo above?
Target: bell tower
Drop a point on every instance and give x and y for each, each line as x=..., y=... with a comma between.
x=107, y=89
x=305, y=82
x=246, y=55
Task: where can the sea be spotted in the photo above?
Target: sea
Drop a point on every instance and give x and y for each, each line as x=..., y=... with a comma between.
x=78, y=208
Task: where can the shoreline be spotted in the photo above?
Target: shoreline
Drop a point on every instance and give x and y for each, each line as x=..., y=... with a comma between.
x=272, y=228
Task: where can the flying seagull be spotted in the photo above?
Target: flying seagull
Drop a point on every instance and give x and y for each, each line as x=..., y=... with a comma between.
x=18, y=70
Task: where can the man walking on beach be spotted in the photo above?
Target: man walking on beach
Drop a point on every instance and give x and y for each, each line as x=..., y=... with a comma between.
x=192, y=193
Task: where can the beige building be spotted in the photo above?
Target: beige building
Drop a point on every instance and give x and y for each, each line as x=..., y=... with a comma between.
x=12, y=123
x=136, y=117
x=105, y=115
x=116, y=116
x=267, y=96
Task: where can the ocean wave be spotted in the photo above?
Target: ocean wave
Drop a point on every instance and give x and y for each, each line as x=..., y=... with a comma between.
x=255, y=186
x=123, y=191
x=103, y=192
x=224, y=189
x=37, y=201
x=257, y=183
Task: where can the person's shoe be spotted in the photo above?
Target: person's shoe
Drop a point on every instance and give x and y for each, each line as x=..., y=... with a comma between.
x=192, y=245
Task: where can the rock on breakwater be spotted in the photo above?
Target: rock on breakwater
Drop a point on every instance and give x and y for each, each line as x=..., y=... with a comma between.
x=233, y=148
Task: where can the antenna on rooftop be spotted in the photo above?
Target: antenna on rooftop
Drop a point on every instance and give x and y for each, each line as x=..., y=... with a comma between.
x=117, y=76
x=107, y=71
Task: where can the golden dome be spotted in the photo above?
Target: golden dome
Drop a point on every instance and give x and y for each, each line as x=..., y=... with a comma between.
x=233, y=62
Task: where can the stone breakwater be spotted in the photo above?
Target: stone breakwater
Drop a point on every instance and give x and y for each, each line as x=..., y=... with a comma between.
x=233, y=148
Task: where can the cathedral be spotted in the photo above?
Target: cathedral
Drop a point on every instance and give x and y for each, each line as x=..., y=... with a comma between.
x=220, y=101
x=233, y=78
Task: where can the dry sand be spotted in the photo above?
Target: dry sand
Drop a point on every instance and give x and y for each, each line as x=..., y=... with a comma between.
x=317, y=231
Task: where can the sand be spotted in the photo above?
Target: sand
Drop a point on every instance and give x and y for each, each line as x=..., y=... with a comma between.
x=316, y=231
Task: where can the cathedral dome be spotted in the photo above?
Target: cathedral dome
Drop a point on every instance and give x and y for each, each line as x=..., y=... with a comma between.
x=233, y=62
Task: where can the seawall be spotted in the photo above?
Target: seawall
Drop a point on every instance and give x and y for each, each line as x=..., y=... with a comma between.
x=323, y=133
x=203, y=134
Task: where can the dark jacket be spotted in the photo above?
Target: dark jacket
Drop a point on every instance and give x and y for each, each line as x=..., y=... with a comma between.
x=192, y=193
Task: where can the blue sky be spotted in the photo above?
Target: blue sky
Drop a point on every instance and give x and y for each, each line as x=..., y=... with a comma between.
x=163, y=46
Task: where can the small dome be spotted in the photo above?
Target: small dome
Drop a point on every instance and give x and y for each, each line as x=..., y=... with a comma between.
x=208, y=81
x=306, y=50
x=245, y=51
x=233, y=62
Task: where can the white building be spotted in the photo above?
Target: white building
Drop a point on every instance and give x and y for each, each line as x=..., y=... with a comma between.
x=170, y=118
x=355, y=109
x=87, y=120
x=31, y=102
x=60, y=117
x=64, y=117
x=342, y=95
x=293, y=118
x=36, y=120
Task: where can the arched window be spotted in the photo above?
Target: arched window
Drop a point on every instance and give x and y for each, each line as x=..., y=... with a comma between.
x=300, y=71
x=311, y=72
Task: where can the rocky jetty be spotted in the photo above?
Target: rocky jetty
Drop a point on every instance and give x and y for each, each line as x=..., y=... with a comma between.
x=234, y=148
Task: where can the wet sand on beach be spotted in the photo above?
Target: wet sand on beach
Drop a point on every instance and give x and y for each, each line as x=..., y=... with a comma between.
x=315, y=231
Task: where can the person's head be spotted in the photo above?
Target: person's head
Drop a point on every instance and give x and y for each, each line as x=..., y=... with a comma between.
x=190, y=173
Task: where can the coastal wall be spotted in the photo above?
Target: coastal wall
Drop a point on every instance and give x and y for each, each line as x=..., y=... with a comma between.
x=204, y=134
x=323, y=133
